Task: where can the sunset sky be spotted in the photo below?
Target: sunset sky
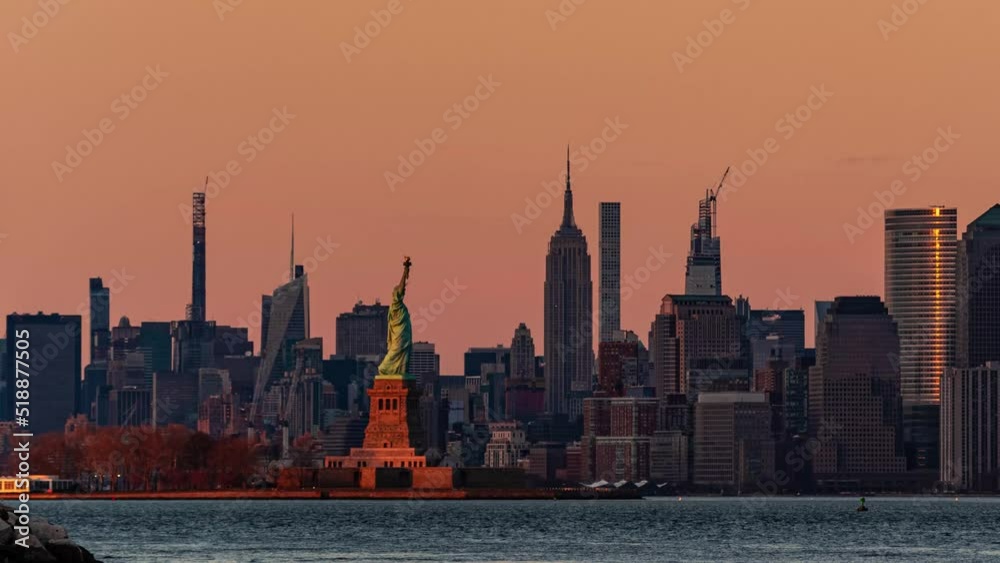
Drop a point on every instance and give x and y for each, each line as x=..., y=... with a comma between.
x=556, y=78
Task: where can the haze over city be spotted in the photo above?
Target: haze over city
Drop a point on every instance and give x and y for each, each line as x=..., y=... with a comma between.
x=223, y=72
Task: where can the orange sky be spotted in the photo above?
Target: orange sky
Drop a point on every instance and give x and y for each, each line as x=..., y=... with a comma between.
x=782, y=231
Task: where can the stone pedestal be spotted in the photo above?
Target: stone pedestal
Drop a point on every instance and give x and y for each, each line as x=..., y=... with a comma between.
x=393, y=434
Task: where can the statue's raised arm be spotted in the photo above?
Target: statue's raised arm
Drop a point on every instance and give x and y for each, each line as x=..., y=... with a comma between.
x=406, y=275
x=399, y=340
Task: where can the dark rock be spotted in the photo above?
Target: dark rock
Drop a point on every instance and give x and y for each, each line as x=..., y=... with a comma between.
x=89, y=557
x=37, y=555
x=65, y=551
x=47, y=543
x=6, y=533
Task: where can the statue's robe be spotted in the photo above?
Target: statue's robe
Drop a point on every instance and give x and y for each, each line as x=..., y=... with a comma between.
x=399, y=342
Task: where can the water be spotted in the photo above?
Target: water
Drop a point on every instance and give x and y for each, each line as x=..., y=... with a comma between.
x=781, y=529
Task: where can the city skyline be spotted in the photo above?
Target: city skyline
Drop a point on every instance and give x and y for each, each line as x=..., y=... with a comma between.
x=196, y=281
x=884, y=109
x=340, y=259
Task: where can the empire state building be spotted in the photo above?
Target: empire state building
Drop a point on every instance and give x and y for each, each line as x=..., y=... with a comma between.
x=568, y=315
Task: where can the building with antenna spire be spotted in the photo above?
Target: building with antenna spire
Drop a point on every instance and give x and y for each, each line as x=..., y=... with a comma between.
x=569, y=354
x=287, y=313
x=194, y=336
x=704, y=264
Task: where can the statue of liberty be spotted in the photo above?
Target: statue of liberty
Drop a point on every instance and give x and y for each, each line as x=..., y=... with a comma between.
x=399, y=342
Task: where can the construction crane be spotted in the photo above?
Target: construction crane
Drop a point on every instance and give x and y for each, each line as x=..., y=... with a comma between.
x=705, y=227
x=286, y=408
x=719, y=188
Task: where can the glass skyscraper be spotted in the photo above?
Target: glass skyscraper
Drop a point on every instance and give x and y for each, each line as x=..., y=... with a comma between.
x=920, y=247
x=978, y=292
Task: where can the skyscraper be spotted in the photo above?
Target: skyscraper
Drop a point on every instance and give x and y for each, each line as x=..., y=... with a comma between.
x=288, y=324
x=704, y=264
x=425, y=364
x=522, y=353
x=568, y=300
x=194, y=336
x=96, y=372
x=621, y=364
x=970, y=408
x=733, y=443
x=696, y=336
x=611, y=270
x=920, y=295
x=776, y=331
x=4, y=413
x=822, y=308
x=100, y=321
x=154, y=343
x=362, y=332
x=491, y=357
x=53, y=368
x=978, y=292
x=855, y=407
x=196, y=310
x=525, y=389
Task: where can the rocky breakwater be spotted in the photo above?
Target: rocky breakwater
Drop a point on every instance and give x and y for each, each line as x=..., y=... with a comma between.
x=46, y=542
